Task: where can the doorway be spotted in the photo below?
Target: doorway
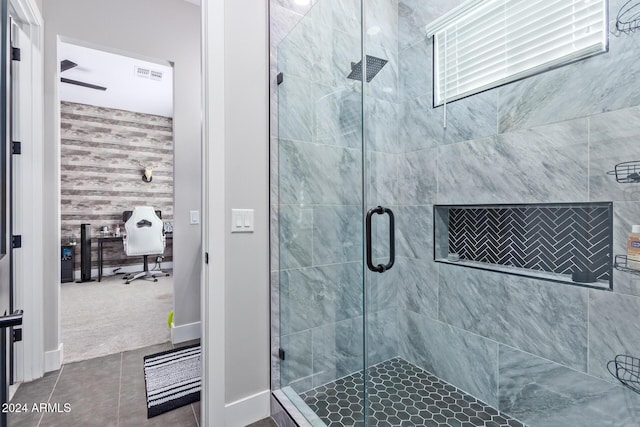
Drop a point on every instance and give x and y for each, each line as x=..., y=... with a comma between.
x=108, y=27
x=116, y=121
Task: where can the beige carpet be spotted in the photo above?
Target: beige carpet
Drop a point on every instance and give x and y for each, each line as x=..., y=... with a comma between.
x=109, y=317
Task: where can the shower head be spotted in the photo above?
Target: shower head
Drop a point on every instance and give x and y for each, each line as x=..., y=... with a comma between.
x=374, y=65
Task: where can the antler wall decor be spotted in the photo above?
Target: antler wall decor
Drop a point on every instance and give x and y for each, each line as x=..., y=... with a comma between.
x=147, y=171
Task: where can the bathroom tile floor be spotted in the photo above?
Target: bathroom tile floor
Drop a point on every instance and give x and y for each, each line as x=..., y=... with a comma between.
x=100, y=392
x=401, y=394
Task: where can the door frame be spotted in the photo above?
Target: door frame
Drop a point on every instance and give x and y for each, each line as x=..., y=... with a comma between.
x=214, y=206
x=29, y=354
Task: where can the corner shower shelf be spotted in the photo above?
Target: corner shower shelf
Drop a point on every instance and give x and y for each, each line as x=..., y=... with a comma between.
x=627, y=172
x=621, y=265
x=626, y=369
x=627, y=21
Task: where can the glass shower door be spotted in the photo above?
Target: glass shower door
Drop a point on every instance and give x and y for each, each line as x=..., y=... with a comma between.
x=320, y=227
x=384, y=371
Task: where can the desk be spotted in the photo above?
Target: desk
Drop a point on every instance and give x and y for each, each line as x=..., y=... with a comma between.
x=102, y=239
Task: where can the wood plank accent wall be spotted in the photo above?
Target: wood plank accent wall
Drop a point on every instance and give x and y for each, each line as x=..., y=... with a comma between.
x=100, y=175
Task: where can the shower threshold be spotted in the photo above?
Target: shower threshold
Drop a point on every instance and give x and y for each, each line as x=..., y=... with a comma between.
x=401, y=394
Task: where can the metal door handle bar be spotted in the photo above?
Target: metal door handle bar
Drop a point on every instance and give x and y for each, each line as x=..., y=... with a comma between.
x=380, y=268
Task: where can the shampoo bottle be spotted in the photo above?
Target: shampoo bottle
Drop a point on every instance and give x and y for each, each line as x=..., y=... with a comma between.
x=633, y=248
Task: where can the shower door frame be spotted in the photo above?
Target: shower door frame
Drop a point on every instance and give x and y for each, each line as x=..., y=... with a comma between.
x=367, y=214
x=280, y=389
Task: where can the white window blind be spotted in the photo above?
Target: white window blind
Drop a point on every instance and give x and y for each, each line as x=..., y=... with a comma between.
x=486, y=43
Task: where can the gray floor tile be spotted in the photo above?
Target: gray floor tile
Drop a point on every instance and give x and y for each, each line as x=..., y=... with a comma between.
x=36, y=389
x=107, y=391
x=30, y=393
x=187, y=343
x=196, y=411
x=182, y=417
x=91, y=387
x=267, y=422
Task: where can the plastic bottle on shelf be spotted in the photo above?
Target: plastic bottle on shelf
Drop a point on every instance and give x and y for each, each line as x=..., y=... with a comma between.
x=633, y=248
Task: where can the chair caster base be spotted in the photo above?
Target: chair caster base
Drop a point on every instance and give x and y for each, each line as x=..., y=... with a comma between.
x=145, y=275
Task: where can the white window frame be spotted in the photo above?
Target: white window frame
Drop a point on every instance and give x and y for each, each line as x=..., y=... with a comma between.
x=446, y=26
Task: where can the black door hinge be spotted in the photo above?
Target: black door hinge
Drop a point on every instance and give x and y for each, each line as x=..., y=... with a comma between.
x=281, y=354
x=16, y=241
x=206, y=257
x=280, y=78
x=16, y=147
x=17, y=335
x=15, y=54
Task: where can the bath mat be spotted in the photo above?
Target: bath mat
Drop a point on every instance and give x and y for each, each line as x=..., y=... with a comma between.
x=172, y=379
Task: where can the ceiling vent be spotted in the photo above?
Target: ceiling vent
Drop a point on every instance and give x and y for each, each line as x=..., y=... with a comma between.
x=155, y=75
x=142, y=72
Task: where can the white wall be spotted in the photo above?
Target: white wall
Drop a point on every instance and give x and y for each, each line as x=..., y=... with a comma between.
x=162, y=29
x=239, y=268
x=247, y=166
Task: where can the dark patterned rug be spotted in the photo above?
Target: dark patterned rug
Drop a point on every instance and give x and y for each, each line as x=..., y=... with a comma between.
x=172, y=379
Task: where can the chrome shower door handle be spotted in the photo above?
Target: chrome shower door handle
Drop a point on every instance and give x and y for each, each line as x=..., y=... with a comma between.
x=380, y=268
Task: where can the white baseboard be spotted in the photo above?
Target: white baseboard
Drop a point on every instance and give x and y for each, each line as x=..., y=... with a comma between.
x=248, y=410
x=53, y=359
x=183, y=333
x=132, y=268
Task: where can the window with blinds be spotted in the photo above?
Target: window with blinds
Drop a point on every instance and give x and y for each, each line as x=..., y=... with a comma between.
x=486, y=43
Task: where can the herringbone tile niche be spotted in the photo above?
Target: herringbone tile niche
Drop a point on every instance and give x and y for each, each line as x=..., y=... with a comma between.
x=563, y=238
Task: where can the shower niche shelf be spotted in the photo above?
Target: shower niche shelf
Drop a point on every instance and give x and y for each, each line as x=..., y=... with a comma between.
x=562, y=242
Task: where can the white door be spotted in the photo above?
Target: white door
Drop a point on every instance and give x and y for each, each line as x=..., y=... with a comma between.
x=8, y=240
x=5, y=233
x=20, y=132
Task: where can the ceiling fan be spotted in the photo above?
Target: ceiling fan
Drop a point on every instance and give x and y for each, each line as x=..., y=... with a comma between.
x=65, y=65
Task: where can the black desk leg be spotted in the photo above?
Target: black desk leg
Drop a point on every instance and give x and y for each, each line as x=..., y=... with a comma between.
x=99, y=260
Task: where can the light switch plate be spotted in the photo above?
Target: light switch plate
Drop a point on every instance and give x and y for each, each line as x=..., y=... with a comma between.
x=194, y=217
x=242, y=220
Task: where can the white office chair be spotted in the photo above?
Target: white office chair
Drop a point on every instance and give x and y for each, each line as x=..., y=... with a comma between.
x=145, y=236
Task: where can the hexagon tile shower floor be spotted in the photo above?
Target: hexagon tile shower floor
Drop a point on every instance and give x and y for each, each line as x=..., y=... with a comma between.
x=404, y=395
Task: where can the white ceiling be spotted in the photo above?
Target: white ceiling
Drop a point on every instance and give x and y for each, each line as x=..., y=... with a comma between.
x=125, y=90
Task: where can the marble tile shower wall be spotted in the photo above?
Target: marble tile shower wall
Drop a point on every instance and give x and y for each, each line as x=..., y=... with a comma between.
x=316, y=130
x=536, y=350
